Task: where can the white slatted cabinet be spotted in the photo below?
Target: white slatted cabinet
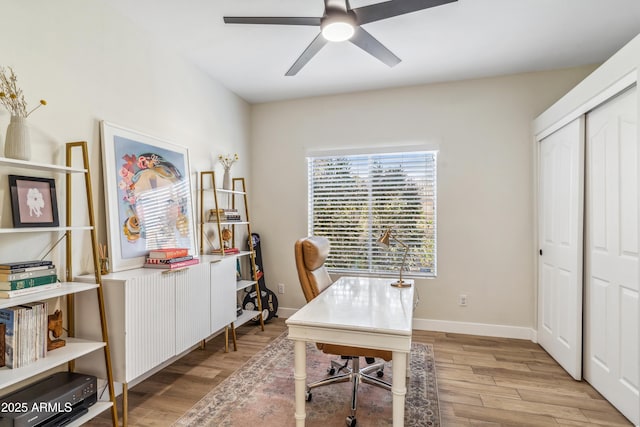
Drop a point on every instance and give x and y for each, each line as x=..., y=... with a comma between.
x=156, y=316
x=223, y=296
x=192, y=291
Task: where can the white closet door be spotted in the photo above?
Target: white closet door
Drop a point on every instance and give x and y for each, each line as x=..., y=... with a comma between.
x=611, y=297
x=561, y=189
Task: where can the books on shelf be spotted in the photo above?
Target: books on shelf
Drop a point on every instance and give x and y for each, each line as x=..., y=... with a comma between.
x=15, y=267
x=231, y=215
x=27, y=291
x=168, y=253
x=170, y=258
x=31, y=282
x=27, y=277
x=226, y=251
x=226, y=215
x=174, y=265
x=44, y=270
x=25, y=333
x=168, y=261
x=9, y=317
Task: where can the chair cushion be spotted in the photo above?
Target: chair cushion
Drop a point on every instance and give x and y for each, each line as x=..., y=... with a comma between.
x=315, y=251
x=344, y=350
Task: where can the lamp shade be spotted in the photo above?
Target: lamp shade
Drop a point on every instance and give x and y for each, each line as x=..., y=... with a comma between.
x=384, y=240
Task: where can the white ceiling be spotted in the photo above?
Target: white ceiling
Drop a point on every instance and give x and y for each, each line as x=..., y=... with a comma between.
x=462, y=40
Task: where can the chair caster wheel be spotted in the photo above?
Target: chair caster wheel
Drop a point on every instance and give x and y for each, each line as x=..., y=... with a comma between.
x=308, y=396
x=351, y=421
x=380, y=373
x=331, y=371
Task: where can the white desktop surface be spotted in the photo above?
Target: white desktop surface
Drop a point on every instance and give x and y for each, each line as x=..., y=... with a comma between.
x=361, y=312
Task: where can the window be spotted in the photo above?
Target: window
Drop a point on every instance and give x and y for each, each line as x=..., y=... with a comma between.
x=353, y=199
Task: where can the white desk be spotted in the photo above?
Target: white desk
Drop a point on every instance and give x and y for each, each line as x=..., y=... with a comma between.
x=360, y=312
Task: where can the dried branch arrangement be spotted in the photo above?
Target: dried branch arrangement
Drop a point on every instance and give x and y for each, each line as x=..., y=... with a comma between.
x=11, y=95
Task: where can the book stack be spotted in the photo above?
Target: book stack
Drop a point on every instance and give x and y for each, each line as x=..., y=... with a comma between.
x=231, y=215
x=170, y=258
x=25, y=333
x=226, y=251
x=226, y=215
x=27, y=277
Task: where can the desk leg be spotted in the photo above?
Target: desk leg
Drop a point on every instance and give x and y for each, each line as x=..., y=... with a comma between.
x=399, y=387
x=408, y=364
x=125, y=404
x=300, y=377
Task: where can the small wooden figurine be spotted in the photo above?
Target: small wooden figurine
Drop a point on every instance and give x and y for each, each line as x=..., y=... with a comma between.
x=226, y=237
x=55, y=329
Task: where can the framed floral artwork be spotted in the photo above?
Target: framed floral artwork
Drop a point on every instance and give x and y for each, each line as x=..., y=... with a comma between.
x=148, y=192
x=33, y=201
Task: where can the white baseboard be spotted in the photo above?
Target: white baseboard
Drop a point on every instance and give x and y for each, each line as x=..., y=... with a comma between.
x=469, y=328
x=482, y=329
x=286, y=312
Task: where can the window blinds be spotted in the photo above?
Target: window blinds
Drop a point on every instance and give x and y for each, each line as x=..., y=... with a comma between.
x=354, y=198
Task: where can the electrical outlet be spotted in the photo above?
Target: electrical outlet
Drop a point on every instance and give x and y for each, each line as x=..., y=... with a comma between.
x=281, y=288
x=462, y=300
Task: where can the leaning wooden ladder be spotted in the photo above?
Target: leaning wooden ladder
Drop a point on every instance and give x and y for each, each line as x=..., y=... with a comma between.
x=96, y=266
x=252, y=255
x=241, y=191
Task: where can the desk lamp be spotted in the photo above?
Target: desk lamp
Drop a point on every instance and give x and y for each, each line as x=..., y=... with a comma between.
x=384, y=241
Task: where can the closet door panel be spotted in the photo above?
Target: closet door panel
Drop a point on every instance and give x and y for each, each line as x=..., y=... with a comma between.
x=561, y=235
x=612, y=267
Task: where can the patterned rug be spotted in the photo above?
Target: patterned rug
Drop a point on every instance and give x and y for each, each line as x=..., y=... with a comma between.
x=261, y=393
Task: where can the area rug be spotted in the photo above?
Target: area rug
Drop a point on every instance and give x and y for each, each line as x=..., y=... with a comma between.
x=261, y=393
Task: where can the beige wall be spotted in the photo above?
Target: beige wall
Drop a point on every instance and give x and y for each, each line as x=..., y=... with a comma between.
x=485, y=222
x=91, y=64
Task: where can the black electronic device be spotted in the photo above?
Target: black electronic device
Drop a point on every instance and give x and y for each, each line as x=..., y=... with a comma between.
x=54, y=401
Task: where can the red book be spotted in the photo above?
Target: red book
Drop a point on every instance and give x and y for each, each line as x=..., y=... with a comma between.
x=174, y=265
x=168, y=253
x=226, y=251
x=168, y=261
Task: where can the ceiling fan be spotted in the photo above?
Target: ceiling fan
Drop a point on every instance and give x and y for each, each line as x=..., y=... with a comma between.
x=340, y=23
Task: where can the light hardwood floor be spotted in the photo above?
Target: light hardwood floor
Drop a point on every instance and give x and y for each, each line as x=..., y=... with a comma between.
x=481, y=382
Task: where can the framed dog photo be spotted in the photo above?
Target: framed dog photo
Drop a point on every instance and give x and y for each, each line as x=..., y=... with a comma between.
x=33, y=201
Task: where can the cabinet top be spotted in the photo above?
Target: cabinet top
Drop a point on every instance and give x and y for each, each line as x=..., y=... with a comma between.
x=142, y=271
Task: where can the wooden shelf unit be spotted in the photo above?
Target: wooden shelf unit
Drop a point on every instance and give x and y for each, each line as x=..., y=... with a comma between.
x=239, y=190
x=75, y=347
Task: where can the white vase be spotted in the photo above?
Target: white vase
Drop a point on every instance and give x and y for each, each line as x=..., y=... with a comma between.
x=17, y=144
x=226, y=180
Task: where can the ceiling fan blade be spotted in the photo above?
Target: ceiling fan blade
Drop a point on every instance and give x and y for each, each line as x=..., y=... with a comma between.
x=369, y=44
x=388, y=9
x=272, y=20
x=306, y=56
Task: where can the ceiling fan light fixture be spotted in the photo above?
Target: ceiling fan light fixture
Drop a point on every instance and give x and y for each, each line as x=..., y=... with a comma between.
x=338, y=28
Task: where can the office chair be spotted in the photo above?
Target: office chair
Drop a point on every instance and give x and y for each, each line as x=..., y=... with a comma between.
x=311, y=253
